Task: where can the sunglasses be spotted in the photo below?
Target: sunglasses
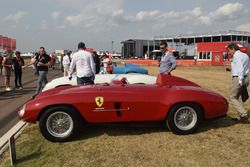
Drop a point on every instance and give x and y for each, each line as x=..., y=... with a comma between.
x=162, y=47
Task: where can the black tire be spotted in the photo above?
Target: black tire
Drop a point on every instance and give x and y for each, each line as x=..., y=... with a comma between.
x=72, y=119
x=193, y=114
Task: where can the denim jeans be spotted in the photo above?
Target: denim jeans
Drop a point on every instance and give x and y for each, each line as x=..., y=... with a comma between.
x=41, y=79
x=18, y=78
x=85, y=80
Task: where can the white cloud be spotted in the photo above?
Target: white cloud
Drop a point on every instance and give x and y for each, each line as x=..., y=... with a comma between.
x=243, y=27
x=117, y=13
x=229, y=11
x=206, y=20
x=95, y=15
x=147, y=15
x=98, y=16
x=224, y=13
x=74, y=20
x=196, y=11
x=15, y=17
x=96, y=5
x=44, y=25
x=55, y=14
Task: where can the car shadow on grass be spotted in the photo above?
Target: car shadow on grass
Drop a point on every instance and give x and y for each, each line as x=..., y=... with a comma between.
x=216, y=124
x=120, y=129
x=124, y=129
x=221, y=123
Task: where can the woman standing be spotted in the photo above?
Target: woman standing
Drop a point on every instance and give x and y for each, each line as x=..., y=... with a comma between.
x=7, y=68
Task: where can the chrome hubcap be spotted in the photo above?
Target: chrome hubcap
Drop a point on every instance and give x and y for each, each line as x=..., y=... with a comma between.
x=185, y=118
x=59, y=124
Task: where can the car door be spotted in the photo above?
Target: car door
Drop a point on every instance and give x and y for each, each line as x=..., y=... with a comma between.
x=144, y=102
x=104, y=103
x=123, y=103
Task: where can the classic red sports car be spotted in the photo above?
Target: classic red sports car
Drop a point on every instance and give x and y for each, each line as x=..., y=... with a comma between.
x=182, y=104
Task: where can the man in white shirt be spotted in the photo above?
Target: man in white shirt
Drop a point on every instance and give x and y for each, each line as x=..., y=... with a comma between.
x=240, y=79
x=66, y=64
x=84, y=64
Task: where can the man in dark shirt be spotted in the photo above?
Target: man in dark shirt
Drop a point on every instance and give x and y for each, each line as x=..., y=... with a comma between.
x=18, y=62
x=1, y=64
x=97, y=62
x=42, y=61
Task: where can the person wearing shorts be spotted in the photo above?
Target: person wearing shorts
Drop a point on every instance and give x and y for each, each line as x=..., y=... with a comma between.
x=7, y=69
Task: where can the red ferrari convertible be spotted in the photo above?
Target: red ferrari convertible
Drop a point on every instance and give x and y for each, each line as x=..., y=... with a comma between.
x=182, y=104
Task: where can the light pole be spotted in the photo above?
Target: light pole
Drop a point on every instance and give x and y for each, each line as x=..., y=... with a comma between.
x=112, y=46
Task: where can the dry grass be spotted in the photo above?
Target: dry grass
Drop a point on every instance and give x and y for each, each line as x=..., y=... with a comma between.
x=219, y=142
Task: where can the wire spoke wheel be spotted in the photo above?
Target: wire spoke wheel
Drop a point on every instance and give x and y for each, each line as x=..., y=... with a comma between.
x=59, y=124
x=185, y=118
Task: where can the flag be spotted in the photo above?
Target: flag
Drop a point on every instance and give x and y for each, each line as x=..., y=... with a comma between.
x=1, y=42
x=13, y=44
x=5, y=43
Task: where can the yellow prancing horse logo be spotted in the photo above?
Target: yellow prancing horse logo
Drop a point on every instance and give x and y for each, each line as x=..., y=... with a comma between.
x=99, y=101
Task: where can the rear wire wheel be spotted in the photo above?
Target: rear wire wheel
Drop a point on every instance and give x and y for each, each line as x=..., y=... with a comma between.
x=184, y=118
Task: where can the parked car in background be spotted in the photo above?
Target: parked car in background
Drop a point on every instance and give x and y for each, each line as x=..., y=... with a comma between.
x=128, y=68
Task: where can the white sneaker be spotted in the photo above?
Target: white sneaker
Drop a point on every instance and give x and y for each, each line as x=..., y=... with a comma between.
x=8, y=89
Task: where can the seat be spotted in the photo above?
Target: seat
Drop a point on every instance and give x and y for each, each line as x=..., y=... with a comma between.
x=119, y=82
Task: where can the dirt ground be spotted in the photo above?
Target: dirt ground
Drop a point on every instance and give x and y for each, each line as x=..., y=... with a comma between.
x=220, y=142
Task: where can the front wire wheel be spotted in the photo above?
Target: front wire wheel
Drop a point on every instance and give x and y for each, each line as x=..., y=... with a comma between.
x=59, y=123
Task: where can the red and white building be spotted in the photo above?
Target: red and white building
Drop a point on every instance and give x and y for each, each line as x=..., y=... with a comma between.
x=7, y=43
x=209, y=48
x=215, y=53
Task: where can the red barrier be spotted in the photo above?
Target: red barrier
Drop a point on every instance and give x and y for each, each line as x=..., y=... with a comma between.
x=179, y=62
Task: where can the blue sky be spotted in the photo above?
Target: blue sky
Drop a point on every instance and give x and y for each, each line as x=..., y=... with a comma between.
x=61, y=24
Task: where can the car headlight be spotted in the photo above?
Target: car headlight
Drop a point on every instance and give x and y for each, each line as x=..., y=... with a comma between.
x=22, y=111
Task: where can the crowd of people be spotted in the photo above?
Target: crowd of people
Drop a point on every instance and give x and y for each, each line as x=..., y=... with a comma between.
x=13, y=64
x=10, y=64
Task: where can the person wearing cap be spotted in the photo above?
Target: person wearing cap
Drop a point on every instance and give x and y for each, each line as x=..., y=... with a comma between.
x=167, y=62
x=7, y=68
x=18, y=63
x=240, y=79
x=84, y=64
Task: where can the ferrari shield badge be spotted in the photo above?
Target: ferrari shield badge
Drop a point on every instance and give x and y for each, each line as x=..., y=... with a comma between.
x=99, y=101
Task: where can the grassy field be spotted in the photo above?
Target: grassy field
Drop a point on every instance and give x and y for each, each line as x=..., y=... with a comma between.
x=217, y=143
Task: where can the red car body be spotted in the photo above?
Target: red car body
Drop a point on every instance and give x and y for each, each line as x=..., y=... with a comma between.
x=121, y=102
